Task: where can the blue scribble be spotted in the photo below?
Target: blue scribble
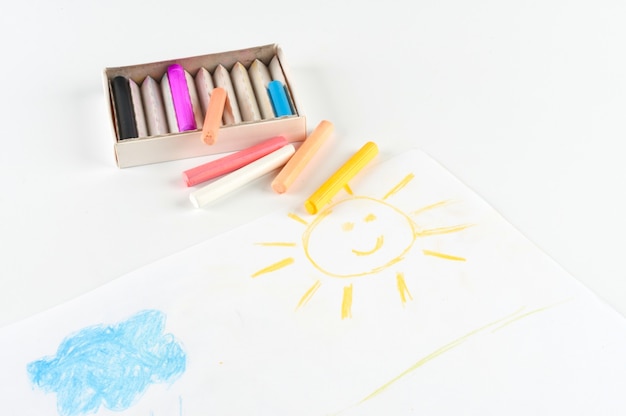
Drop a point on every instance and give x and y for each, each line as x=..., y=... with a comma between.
x=110, y=366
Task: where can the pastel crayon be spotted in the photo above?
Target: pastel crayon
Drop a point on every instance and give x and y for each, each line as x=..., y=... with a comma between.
x=248, y=106
x=204, y=86
x=341, y=177
x=154, y=109
x=213, y=117
x=276, y=71
x=242, y=176
x=140, y=117
x=302, y=157
x=180, y=98
x=232, y=162
x=278, y=96
x=124, y=113
x=168, y=105
x=198, y=115
x=260, y=77
x=221, y=78
x=277, y=74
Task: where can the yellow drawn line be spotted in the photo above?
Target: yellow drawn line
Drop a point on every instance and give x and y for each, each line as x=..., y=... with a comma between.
x=309, y=294
x=276, y=244
x=438, y=352
x=273, y=267
x=400, y=185
x=347, y=188
x=379, y=244
x=429, y=207
x=443, y=255
x=402, y=288
x=394, y=261
x=442, y=230
x=297, y=218
x=346, y=304
x=517, y=318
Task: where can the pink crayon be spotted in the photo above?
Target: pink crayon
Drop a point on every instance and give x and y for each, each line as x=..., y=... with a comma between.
x=232, y=162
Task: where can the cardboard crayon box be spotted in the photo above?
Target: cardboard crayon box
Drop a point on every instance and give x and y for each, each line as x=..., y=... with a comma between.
x=173, y=145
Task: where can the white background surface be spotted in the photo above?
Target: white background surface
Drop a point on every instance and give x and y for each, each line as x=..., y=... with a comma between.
x=524, y=101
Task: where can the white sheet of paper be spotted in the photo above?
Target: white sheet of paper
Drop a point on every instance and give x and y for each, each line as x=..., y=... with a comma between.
x=407, y=295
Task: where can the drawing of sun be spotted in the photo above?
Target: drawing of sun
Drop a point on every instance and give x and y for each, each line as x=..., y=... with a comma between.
x=362, y=236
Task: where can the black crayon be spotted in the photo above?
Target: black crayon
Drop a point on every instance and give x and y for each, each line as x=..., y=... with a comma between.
x=124, y=112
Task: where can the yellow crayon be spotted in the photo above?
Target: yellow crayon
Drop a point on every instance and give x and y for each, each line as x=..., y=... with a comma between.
x=341, y=178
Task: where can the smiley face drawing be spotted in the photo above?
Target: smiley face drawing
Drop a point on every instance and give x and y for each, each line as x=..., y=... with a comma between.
x=376, y=236
x=358, y=237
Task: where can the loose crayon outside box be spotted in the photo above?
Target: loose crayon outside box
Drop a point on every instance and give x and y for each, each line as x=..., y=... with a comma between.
x=172, y=146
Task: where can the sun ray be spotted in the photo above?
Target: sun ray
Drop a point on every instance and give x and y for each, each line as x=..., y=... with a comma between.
x=347, y=188
x=408, y=178
x=379, y=244
x=402, y=288
x=276, y=244
x=442, y=230
x=431, y=206
x=346, y=304
x=273, y=267
x=309, y=294
x=297, y=218
x=443, y=255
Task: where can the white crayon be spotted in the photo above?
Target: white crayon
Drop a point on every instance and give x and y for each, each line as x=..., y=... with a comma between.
x=168, y=104
x=204, y=86
x=198, y=115
x=153, y=107
x=221, y=78
x=140, y=117
x=242, y=176
x=260, y=78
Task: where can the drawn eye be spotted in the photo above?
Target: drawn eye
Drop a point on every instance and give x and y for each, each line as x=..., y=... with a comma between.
x=347, y=226
x=369, y=218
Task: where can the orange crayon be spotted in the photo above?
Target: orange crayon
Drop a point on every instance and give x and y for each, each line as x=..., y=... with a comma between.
x=303, y=155
x=213, y=118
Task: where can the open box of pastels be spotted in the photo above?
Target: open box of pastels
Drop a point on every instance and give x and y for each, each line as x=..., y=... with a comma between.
x=243, y=73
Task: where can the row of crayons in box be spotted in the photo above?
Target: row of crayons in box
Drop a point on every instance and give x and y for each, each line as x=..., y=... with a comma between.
x=238, y=169
x=179, y=101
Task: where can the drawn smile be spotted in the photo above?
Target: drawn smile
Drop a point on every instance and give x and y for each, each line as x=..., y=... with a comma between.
x=379, y=244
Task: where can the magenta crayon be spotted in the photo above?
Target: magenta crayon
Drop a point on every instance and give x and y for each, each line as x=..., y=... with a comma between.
x=232, y=162
x=181, y=98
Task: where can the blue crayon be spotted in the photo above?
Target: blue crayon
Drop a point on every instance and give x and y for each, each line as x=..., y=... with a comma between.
x=278, y=97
